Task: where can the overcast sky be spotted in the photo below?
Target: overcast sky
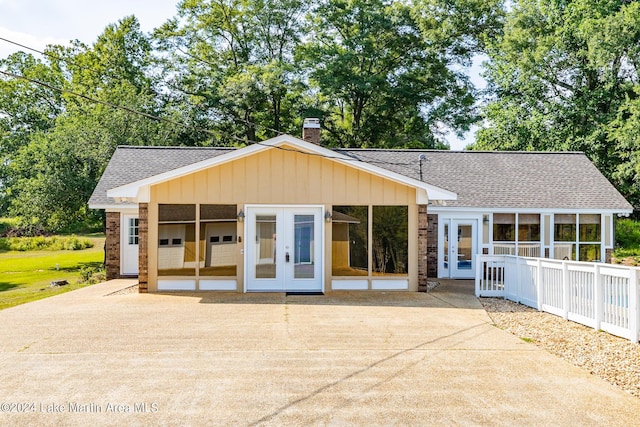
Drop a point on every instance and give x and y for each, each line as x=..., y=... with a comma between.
x=37, y=23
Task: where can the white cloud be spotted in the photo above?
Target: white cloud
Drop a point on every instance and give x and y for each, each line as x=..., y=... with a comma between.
x=30, y=40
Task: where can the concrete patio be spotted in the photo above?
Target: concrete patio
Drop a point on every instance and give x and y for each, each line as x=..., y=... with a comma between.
x=84, y=358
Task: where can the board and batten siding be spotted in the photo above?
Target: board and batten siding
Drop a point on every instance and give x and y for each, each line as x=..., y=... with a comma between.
x=283, y=177
x=277, y=176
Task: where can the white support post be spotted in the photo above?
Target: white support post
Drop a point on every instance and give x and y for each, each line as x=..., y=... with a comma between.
x=634, y=309
x=566, y=290
x=479, y=261
x=598, y=300
x=539, y=276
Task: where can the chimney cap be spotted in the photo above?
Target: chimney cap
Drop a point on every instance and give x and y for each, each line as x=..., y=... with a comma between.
x=311, y=123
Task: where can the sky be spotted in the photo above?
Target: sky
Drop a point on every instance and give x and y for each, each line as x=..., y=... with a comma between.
x=38, y=23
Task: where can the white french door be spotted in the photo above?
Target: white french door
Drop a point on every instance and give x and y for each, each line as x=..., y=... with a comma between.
x=284, y=249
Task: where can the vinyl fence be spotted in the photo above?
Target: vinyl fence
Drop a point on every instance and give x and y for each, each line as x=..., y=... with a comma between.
x=602, y=296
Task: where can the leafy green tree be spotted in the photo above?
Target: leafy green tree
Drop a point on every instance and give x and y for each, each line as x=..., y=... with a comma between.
x=231, y=61
x=384, y=77
x=564, y=76
x=54, y=173
x=25, y=109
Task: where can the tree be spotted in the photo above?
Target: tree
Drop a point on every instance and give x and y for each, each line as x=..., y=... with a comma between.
x=383, y=79
x=25, y=109
x=232, y=61
x=564, y=76
x=53, y=174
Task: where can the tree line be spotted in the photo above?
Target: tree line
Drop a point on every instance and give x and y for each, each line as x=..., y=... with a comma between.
x=562, y=75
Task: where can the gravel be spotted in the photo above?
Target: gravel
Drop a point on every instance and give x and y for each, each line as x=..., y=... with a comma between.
x=613, y=359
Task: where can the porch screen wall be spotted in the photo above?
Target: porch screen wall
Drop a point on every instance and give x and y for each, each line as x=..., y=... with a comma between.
x=176, y=240
x=350, y=241
x=390, y=240
x=218, y=240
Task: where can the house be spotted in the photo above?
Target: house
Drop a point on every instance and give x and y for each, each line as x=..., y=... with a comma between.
x=290, y=215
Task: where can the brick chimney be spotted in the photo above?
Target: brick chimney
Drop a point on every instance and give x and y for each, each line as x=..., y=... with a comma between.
x=311, y=130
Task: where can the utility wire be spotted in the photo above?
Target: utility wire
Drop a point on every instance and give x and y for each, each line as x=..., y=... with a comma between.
x=176, y=123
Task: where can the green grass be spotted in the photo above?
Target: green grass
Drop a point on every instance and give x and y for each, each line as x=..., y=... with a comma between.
x=627, y=238
x=25, y=276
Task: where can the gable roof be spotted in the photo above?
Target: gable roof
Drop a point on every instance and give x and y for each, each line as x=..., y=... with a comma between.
x=139, y=190
x=504, y=179
x=495, y=180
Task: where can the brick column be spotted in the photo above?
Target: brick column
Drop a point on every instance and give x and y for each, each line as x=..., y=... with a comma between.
x=422, y=248
x=143, y=247
x=112, y=246
x=608, y=253
x=432, y=246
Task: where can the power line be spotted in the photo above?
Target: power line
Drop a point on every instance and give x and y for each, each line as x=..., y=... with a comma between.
x=173, y=122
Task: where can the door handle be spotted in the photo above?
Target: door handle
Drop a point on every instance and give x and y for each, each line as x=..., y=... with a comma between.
x=286, y=257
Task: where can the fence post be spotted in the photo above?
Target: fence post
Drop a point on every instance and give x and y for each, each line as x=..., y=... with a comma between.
x=634, y=312
x=479, y=262
x=539, y=284
x=598, y=297
x=566, y=290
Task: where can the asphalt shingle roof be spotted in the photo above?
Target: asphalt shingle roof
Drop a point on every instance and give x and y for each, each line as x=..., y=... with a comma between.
x=131, y=164
x=503, y=179
x=480, y=179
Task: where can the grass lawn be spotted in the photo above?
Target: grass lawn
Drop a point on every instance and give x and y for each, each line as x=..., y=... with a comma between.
x=25, y=276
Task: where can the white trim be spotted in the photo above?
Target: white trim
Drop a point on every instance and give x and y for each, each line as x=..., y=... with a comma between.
x=116, y=208
x=433, y=209
x=176, y=285
x=350, y=285
x=139, y=190
x=390, y=285
x=217, y=285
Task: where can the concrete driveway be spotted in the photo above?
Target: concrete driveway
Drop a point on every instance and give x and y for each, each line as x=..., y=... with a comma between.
x=84, y=358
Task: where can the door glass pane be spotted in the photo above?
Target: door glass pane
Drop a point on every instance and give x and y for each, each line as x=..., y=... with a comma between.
x=303, y=256
x=133, y=231
x=465, y=245
x=446, y=246
x=265, y=242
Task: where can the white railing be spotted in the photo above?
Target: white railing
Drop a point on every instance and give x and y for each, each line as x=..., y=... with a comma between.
x=602, y=296
x=524, y=249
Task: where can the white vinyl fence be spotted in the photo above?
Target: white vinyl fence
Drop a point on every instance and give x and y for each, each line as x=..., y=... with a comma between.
x=602, y=296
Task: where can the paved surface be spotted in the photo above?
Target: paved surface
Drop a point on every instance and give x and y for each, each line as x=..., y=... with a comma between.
x=229, y=359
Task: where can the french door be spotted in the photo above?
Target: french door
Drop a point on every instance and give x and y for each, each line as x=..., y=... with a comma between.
x=284, y=249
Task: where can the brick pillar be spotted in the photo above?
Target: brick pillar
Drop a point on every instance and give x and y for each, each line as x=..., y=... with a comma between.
x=143, y=247
x=422, y=248
x=112, y=246
x=432, y=246
x=607, y=255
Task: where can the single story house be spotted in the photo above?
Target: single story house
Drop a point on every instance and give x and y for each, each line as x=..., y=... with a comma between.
x=289, y=215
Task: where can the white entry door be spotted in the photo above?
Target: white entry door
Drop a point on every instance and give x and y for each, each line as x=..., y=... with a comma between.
x=284, y=249
x=462, y=245
x=129, y=244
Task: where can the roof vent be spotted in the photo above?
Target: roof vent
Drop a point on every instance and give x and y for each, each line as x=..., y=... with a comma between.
x=311, y=130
